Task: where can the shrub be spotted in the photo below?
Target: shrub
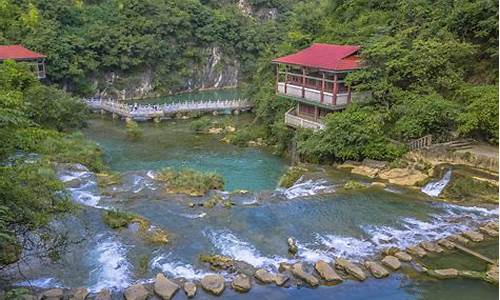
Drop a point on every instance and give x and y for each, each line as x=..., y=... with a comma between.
x=291, y=176
x=190, y=182
x=118, y=219
x=134, y=132
x=201, y=125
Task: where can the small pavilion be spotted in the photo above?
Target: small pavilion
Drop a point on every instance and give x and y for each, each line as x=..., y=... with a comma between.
x=21, y=54
x=314, y=77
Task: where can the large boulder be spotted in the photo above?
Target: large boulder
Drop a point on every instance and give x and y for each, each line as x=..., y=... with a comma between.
x=350, y=268
x=403, y=256
x=474, y=236
x=52, y=294
x=264, y=276
x=416, y=251
x=431, y=247
x=292, y=246
x=391, y=262
x=136, y=292
x=492, y=273
x=326, y=272
x=298, y=271
x=190, y=289
x=79, y=294
x=241, y=283
x=376, y=269
x=164, y=288
x=213, y=284
x=104, y=294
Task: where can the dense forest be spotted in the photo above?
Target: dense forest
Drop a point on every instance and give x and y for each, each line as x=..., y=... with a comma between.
x=431, y=67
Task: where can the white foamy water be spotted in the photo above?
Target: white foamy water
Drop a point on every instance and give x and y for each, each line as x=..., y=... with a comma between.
x=175, y=268
x=110, y=266
x=42, y=283
x=230, y=245
x=346, y=247
x=140, y=183
x=434, y=188
x=86, y=192
x=308, y=188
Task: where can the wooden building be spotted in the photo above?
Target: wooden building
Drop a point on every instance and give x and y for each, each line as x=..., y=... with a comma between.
x=19, y=53
x=314, y=77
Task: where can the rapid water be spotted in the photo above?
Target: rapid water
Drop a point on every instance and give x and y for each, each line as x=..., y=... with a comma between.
x=326, y=221
x=434, y=188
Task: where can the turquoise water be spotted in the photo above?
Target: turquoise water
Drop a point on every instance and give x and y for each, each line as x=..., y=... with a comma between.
x=225, y=94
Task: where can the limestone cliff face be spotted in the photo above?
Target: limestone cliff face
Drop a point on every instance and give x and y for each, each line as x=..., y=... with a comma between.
x=217, y=71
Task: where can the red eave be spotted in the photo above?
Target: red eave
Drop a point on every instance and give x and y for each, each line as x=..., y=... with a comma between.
x=325, y=56
x=18, y=52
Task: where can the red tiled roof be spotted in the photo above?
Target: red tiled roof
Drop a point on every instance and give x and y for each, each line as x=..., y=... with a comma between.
x=325, y=56
x=18, y=52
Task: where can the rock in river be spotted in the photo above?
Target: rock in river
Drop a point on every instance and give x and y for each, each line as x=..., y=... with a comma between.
x=474, y=236
x=444, y=273
x=213, y=283
x=391, y=262
x=458, y=239
x=298, y=271
x=446, y=244
x=292, y=246
x=190, y=289
x=79, y=294
x=376, y=269
x=403, y=256
x=489, y=231
x=136, y=292
x=350, y=268
x=281, y=279
x=241, y=283
x=52, y=294
x=104, y=294
x=327, y=272
x=264, y=276
x=431, y=247
x=416, y=251
x=165, y=288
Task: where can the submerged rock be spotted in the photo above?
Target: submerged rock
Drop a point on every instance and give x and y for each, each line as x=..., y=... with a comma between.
x=444, y=273
x=292, y=246
x=52, y=294
x=136, y=292
x=473, y=236
x=350, y=268
x=164, y=288
x=298, y=271
x=213, y=283
x=104, y=294
x=241, y=283
x=376, y=269
x=403, y=256
x=327, y=272
x=431, y=247
x=190, y=289
x=391, y=262
x=492, y=273
x=416, y=251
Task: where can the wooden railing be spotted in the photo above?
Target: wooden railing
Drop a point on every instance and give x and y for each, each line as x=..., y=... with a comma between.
x=421, y=143
x=297, y=122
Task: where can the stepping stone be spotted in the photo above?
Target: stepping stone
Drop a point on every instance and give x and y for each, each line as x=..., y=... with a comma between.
x=350, y=268
x=493, y=225
x=416, y=251
x=403, y=256
x=431, y=247
x=264, y=276
x=458, y=239
x=79, y=294
x=327, y=272
x=488, y=231
x=298, y=271
x=391, y=262
x=281, y=279
x=136, y=292
x=473, y=236
x=446, y=244
x=189, y=289
x=492, y=274
x=164, y=288
x=376, y=269
x=52, y=294
x=241, y=283
x=213, y=284
x=104, y=294
x=444, y=273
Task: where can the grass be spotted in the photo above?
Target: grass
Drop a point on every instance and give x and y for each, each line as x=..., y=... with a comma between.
x=134, y=132
x=190, y=182
x=117, y=219
x=291, y=176
x=353, y=185
x=465, y=188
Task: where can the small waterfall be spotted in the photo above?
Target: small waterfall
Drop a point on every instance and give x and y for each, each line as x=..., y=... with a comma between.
x=434, y=188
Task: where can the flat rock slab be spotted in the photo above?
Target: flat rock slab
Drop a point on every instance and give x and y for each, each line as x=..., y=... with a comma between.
x=376, y=269
x=431, y=247
x=79, y=294
x=350, y=268
x=492, y=274
x=281, y=279
x=474, y=236
x=298, y=271
x=164, y=288
x=416, y=251
x=326, y=272
x=213, y=284
x=136, y=292
x=241, y=283
x=391, y=262
x=458, y=239
x=52, y=294
x=190, y=289
x=488, y=231
x=403, y=256
x=103, y=295
x=445, y=273
x=446, y=244
x=264, y=276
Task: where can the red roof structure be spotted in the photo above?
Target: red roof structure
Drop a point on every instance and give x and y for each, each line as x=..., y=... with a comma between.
x=325, y=56
x=18, y=52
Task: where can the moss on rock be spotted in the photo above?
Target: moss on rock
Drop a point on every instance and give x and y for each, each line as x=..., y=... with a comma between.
x=190, y=182
x=291, y=176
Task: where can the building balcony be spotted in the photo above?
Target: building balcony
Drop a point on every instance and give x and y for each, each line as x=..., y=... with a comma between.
x=314, y=96
x=292, y=120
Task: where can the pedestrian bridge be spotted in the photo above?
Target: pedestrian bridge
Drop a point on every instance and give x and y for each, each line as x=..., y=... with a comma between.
x=167, y=110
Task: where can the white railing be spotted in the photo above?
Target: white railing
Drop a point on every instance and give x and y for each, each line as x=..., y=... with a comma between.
x=297, y=122
x=313, y=94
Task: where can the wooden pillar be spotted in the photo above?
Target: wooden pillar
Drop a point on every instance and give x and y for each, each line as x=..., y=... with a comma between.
x=277, y=77
x=335, y=90
x=315, y=113
x=303, y=82
x=286, y=78
x=348, y=94
x=323, y=88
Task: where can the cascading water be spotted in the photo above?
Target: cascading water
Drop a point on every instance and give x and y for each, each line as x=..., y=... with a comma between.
x=434, y=188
